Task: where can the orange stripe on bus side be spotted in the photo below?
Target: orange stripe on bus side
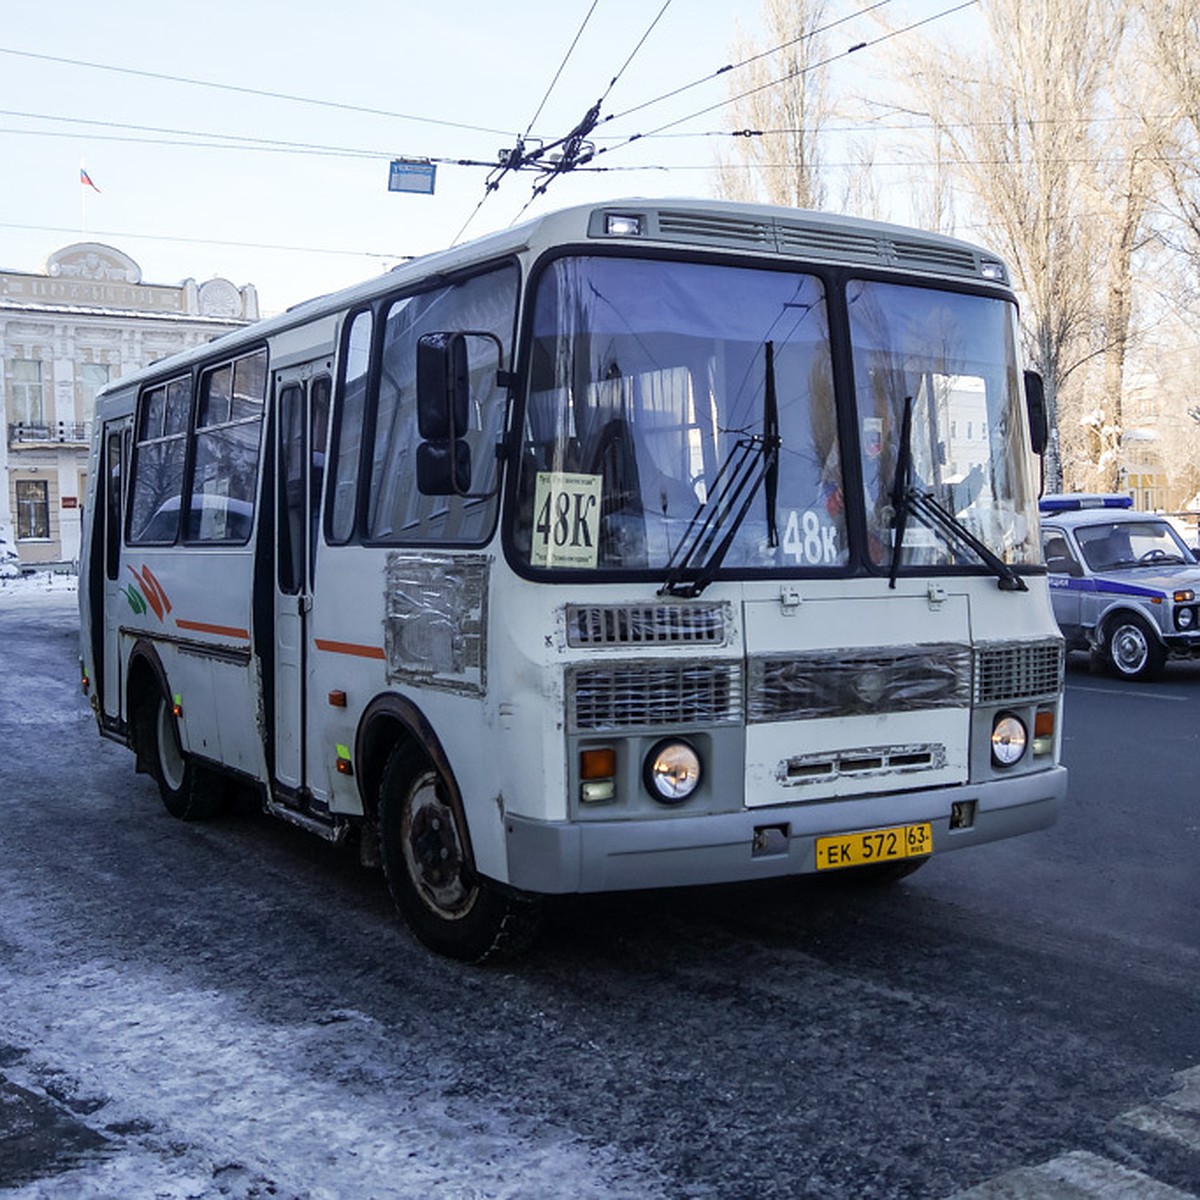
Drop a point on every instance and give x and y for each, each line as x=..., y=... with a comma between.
x=219, y=630
x=350, y=648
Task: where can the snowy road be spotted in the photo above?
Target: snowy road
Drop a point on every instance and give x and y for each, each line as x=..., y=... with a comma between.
x=231, y=1009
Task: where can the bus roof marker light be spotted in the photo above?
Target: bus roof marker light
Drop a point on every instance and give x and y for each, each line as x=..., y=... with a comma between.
x=994, y=271
x=623, y=225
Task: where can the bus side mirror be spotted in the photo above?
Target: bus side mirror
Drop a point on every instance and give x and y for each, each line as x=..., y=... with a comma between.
x=443, y=393
x=1035, y=405
x=443, y=468
x=443, y=386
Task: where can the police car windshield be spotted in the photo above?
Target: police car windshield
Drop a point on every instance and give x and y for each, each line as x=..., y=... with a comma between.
x=1113, y=545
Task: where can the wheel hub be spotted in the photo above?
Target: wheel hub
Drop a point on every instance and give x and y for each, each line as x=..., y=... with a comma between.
x=436, y=862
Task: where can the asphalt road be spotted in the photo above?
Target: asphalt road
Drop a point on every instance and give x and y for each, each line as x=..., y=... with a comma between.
x=232, y=1009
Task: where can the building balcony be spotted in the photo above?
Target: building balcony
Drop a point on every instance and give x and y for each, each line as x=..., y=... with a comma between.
x=22, y=434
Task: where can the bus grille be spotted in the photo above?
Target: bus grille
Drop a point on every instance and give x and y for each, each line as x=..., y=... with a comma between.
x=634, y=695
x=1021, y=671
x=645, y=624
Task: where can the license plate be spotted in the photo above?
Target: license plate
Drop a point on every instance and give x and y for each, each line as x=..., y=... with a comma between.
x=873, y=846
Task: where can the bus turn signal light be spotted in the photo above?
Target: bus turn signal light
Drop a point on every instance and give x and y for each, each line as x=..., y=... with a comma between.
x=597, y=775
x=1043, y=731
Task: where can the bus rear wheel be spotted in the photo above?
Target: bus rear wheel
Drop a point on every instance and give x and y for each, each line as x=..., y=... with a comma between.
x=448, y=906
x=189, y=791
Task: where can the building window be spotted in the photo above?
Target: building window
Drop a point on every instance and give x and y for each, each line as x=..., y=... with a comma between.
x=25, y=405
x=33, y=508
x=92, y=377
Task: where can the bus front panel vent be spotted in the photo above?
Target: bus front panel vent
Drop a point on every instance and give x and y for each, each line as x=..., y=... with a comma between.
x=715, y=229
x=653, y=695
x=647, y=624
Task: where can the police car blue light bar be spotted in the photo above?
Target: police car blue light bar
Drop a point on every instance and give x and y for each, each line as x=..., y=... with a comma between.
x=1078, y=501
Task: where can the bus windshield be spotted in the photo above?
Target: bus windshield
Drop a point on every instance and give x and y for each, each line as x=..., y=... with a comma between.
x=955, y=357
x=649, y=380
x=645, y=377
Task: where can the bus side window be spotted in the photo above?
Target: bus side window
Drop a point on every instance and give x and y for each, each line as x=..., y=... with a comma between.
x=112, y=506
x=228, y=427
x=319, y=396
x=349, y=428
x=291, y=489
x=398, y=512
x=157, y=489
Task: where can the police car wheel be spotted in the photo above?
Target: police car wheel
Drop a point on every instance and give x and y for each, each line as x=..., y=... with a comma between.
x=1132, y=649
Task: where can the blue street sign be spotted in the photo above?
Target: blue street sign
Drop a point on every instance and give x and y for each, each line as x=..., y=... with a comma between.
x=408, y=175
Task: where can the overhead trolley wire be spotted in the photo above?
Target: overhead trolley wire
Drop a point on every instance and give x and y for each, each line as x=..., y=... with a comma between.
x=561, y=67
x=195, y=241
x=633, y=53
x=687, y=87
x=208, y=141
x=785, y=78
x=519, y=158
x=247, y=91
x=576, y=149
x=511, y=159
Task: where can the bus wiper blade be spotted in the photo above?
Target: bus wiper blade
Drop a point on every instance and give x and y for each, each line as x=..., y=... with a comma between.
x=939, y=518
x=754, y=460
x=698, y=556
x=771, y=436
x=901, y=484
x=908, y=500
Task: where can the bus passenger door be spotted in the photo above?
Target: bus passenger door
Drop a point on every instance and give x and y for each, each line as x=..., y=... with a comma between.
x=302, y=417
x=110, y=506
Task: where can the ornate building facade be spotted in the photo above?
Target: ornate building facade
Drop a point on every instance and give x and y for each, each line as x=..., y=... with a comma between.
x=64, y=334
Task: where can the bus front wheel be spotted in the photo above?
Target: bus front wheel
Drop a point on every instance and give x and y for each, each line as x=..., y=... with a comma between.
x=189, y=791
x=448, y=906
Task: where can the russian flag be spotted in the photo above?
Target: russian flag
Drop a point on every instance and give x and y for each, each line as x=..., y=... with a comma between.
x=86, y=180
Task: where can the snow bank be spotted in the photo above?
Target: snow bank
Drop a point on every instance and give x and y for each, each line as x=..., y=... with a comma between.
x=10, y=567
x=42, y=587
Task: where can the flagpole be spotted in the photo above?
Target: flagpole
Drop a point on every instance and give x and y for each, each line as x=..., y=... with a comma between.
x=82, y=204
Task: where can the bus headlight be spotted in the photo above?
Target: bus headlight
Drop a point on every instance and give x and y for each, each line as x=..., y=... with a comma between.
x=671, y=771
x=1008, y=740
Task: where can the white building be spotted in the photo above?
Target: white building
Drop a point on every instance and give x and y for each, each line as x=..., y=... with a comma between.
x=64, y=334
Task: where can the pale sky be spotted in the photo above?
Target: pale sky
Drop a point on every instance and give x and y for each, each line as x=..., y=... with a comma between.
x=307, y=218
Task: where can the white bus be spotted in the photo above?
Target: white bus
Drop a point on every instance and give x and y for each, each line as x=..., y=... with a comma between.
x=648, y=544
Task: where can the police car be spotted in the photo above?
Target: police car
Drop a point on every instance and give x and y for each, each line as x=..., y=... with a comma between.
x=1123, y=583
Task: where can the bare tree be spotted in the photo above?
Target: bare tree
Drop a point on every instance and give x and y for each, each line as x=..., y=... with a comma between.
x=1173, y=42
x=780, y=103
x=1017, y=116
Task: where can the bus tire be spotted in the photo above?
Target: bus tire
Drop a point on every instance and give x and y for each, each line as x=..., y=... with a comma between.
x=1132, y=649
x=448, y=906
x=189, y=791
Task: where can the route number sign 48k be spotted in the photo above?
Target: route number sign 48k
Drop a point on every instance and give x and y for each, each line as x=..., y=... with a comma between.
x=566, y=520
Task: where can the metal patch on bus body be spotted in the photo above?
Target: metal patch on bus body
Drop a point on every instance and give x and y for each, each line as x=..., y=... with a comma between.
x=859, y=682
x=435, y=621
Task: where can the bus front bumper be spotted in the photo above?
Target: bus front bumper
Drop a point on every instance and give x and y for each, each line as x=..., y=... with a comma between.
x=678, y=851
